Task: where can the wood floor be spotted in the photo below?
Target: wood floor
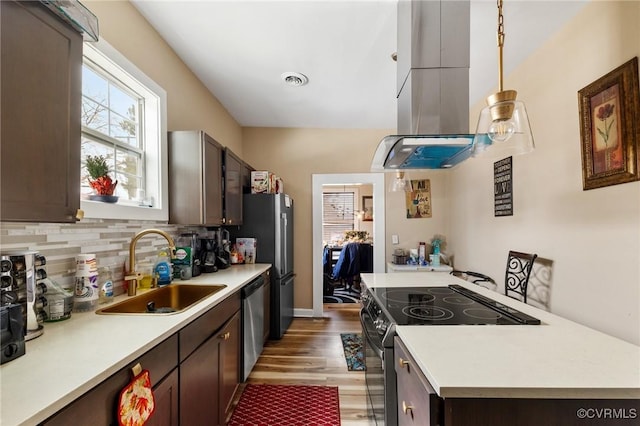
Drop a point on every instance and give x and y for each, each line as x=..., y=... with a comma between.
x=311, y=353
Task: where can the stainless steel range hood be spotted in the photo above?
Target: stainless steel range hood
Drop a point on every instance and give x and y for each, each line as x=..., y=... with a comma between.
x=433, y=88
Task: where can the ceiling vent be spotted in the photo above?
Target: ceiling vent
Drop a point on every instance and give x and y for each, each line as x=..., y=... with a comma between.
x=295, y=78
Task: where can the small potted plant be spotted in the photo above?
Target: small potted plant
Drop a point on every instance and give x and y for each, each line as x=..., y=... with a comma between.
x=100, y=180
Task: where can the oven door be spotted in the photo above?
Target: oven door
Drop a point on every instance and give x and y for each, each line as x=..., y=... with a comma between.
x=380, y=380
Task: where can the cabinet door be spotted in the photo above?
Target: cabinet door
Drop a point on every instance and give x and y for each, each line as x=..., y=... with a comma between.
x=99, y=405
x=246, y=178
x=199, y=385
x=213, y=213
x=41, y=77
x=232, y=188
x=166, y=399
x=418, y=403
x=229, y=339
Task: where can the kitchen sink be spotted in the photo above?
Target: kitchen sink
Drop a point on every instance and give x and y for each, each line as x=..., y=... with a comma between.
x=171, y=299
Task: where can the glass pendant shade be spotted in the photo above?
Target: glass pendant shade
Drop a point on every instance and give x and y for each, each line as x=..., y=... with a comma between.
x=400, y=183
x=501, y=136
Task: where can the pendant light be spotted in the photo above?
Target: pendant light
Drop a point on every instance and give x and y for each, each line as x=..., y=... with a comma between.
x=400, y=183
x=503, y=127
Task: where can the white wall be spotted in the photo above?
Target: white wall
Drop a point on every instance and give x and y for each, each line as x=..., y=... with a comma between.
x=592, y=236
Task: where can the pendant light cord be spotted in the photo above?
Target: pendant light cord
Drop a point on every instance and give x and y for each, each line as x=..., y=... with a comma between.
x=500, y=43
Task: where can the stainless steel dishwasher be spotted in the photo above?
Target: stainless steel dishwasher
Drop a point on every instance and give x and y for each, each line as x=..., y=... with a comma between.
x=252, y=324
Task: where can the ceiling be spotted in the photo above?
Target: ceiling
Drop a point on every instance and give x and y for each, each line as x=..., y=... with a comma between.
x=240, y=48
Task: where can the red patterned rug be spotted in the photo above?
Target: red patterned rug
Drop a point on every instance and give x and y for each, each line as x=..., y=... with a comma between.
x=272, y=405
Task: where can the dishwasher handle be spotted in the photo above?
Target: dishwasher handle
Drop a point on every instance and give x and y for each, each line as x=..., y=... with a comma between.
x=252, y=287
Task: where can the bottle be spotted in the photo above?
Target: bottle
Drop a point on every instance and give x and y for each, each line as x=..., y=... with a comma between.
x=105, y=285
x=422, y=253
x=162, y=268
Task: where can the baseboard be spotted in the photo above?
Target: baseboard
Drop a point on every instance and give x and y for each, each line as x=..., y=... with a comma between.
x=305, y=313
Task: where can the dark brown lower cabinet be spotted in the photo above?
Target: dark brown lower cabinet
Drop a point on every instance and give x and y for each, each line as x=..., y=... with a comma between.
x=418, y=404
x=209, y=377
x=99, y=405
x=229, y=363
x=194, y=373
x=166, y=398
x=199, y=385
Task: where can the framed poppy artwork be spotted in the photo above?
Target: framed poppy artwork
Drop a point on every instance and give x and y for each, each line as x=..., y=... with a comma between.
x=610, y=128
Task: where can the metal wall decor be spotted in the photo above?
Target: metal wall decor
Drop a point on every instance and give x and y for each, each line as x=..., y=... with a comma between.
x=503, y=187
x=610, y=128
x=418, y=201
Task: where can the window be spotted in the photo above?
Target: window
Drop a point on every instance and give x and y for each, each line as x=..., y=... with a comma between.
x=338, y=215
x=124, y=120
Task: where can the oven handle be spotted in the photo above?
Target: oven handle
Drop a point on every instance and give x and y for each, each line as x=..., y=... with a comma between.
x=379, y=350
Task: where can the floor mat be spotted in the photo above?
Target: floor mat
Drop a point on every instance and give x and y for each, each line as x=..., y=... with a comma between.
x=352, y=344
x=340, y=295
x=287, y=405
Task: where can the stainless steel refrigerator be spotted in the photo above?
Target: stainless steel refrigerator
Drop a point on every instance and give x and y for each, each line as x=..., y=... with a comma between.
x=269, y=219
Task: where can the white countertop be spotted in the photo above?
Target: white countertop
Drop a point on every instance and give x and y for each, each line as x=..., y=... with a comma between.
x=392, y=267
x=557, y=359
x=74, y=355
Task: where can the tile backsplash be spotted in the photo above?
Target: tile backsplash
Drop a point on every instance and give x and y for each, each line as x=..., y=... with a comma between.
x=61, y=242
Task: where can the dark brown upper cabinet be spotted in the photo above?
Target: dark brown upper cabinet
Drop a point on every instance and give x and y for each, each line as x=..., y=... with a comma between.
x=233, y=173
x=195, y=179
x=41, y=80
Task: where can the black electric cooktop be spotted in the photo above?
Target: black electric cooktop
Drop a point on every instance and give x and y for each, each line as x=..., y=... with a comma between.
x=449, y=305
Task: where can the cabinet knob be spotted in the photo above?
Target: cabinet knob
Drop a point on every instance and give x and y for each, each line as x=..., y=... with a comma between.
x=407, y=409
x=226, y=335
x=402, y=362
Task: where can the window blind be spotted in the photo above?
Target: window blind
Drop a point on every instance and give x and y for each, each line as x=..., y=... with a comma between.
x=337, y=215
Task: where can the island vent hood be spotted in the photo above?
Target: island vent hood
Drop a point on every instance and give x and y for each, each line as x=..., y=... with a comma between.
x=433, y=88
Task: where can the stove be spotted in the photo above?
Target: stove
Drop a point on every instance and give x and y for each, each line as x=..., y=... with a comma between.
x=384, y=308
x=451, y=305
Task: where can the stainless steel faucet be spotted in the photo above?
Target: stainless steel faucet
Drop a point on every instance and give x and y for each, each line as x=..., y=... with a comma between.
x=133, y=276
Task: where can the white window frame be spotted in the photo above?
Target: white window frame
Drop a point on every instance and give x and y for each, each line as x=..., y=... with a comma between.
x=156, y=161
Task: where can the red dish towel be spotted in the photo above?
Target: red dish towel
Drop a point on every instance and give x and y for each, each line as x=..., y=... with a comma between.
x=136, y=402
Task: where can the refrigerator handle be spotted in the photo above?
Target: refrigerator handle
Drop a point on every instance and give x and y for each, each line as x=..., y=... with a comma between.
x=284, y=240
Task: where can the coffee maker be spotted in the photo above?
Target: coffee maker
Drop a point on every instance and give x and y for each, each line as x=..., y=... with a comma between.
x=11, y=332
x=21, y=301
x=215, y=251
x=20, y=278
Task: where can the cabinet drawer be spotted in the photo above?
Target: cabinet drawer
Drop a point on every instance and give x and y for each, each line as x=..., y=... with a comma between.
x=194, y=334
x=100, y=403
x=418, y=403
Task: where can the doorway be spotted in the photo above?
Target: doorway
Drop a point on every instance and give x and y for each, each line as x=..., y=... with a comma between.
x=318, y=182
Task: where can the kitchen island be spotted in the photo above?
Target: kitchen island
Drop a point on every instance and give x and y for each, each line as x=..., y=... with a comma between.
x=556, y=360
x=75, y=355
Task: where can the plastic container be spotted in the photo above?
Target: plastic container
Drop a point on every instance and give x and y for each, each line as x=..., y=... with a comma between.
x=162, y=268
x=86, y=286
x=105, y=285
x=146, y=269
x=86, y=294
x=59, y=301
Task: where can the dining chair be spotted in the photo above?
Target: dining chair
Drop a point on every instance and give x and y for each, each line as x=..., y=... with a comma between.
x=516, y=279
x=517, y=275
